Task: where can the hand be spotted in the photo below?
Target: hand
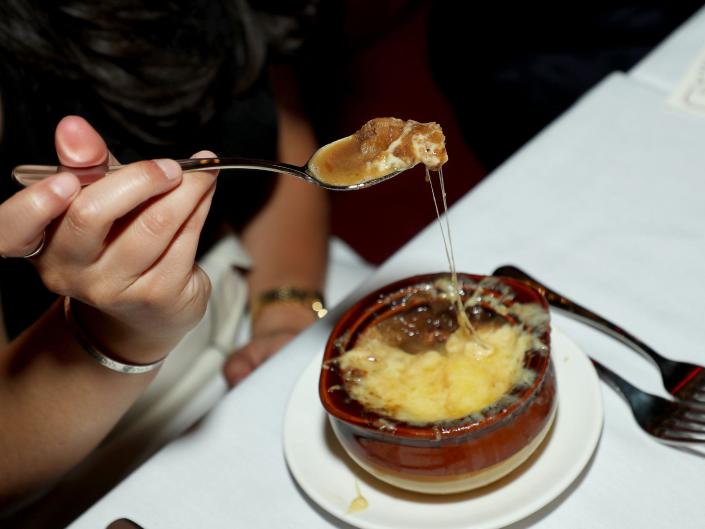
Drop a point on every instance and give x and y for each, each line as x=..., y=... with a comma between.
x=125, y=248
x=276, y=325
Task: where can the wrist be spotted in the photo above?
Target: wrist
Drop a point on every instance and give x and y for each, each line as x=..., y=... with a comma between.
x=282, y=316
x=115, y=341
x=292, y=298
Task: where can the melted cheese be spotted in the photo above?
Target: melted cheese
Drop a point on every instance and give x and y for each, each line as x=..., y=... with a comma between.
x=436, y=385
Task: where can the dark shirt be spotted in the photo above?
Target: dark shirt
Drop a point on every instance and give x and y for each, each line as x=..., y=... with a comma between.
x=32, y=105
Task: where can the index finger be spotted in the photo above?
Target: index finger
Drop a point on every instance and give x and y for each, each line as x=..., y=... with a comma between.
x=26, y=214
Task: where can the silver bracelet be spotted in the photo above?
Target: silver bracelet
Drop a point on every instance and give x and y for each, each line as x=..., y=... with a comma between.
x=106, y=361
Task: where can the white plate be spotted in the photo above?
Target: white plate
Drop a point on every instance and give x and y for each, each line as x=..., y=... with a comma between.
x=329, y=477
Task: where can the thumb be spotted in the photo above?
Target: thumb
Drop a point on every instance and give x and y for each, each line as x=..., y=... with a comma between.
x=78, y=144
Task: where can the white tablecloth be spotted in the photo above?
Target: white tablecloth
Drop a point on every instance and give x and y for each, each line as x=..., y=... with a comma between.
x=664, y=67
x=606, y=205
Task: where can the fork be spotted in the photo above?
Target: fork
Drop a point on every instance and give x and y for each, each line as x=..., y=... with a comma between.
x=670, y=421
x=683, y=380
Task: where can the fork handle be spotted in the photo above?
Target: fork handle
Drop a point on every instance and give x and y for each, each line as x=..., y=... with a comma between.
x=624, y=388
x=584, y=315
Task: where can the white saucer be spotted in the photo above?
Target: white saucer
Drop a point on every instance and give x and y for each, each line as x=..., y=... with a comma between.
x=329, y=477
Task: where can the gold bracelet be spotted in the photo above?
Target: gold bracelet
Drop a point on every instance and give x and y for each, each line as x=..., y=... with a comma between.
x=94, y=352
x=312, y=299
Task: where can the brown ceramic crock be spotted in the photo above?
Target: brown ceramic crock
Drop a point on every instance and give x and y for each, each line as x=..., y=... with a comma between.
x=447, y=457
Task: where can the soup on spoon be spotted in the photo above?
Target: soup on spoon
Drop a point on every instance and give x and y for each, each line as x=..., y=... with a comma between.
x=381, y=147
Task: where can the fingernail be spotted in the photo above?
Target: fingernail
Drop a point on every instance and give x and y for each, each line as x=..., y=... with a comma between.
x=204, y=154
x=64, y=185
x=171, y=169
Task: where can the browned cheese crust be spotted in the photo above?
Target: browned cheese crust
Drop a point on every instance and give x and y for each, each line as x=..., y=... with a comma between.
x=377, y=135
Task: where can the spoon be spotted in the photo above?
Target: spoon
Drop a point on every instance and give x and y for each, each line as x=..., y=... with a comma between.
x=30, y=174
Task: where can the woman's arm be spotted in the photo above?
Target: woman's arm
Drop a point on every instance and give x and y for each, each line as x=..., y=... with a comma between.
x=56, y=404
x=124, y=252
x=287, y=240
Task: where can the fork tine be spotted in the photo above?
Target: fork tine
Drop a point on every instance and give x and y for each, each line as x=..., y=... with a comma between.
x=681, y=437
x=673, y=436
x=678, y=426
x=685, y=418
x=694, y=404
x=691, y=406
x=692, y=421
x=675, y=427
x=690, y=414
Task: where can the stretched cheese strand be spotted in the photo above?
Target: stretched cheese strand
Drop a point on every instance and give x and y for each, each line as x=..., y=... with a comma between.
x=463, y=321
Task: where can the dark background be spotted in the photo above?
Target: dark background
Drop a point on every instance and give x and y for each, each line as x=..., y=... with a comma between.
x=493, y=74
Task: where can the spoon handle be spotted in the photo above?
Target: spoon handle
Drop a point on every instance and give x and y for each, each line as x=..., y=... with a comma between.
x=31, y=174
x=580, y=313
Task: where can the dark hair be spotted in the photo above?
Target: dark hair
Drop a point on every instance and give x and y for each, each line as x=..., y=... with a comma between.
x=155, y=66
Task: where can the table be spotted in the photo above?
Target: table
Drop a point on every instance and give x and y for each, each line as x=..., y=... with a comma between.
x=607, y=205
